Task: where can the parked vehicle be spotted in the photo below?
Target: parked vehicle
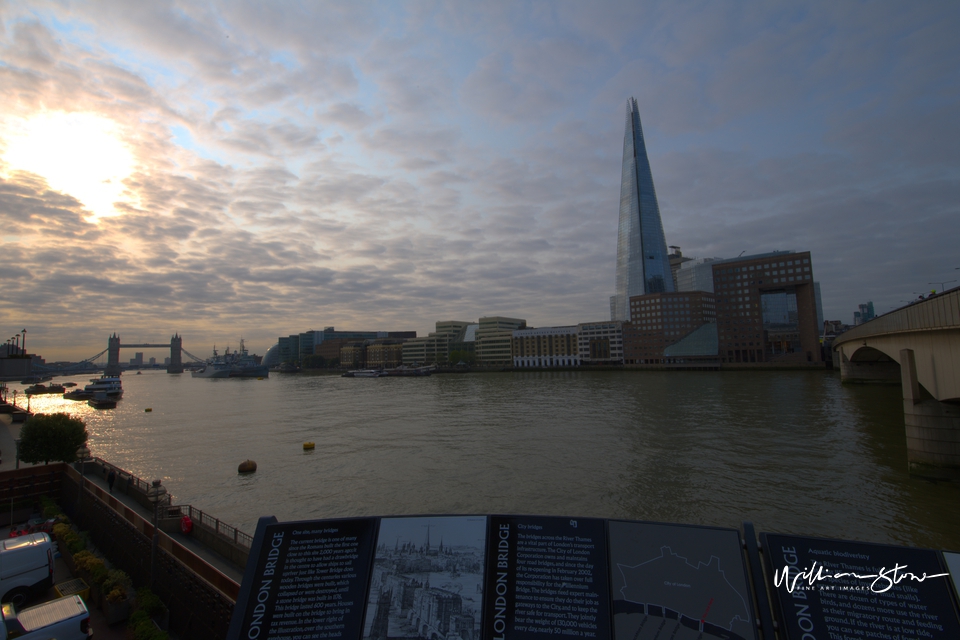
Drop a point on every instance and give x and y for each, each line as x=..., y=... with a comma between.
x=26, y=567
x=64, y=619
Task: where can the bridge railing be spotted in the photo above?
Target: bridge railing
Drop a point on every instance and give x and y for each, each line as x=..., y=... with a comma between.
x=938, y=312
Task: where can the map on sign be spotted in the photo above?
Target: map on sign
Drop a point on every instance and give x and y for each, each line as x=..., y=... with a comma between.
x=671, y=581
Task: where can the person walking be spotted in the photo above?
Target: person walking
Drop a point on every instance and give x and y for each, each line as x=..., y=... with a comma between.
x=111, y=478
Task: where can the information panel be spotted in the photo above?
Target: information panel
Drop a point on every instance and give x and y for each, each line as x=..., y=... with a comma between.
x=840, y=590
x=310, y=580
x=546, y=577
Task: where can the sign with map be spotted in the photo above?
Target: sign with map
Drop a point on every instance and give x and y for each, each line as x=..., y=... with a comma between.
x=680, y=582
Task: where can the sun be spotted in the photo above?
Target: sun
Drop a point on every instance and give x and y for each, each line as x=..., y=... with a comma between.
x=80, y=154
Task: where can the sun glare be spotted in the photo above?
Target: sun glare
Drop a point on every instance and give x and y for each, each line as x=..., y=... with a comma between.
x=80, y=154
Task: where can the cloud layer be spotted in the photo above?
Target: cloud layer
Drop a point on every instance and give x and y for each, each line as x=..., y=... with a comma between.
x=384, y=168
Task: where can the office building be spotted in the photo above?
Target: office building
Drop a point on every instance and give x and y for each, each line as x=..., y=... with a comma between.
x=642, y=263
x=494, y=340
x=600, y=342
x=863, y=314
x=696, y=275
x=434, y=347
x=767, y=309
x=384, y=354
x=546, y=347
x=660, y=320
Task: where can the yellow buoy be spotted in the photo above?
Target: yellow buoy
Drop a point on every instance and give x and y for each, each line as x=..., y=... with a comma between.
x=148, y=410
x=308, y=445
x=247, y=466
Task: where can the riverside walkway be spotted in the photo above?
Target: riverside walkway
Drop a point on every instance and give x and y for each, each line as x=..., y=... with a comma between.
x=9, y=432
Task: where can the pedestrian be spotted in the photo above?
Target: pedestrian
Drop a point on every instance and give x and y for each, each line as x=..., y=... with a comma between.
x=111, y=478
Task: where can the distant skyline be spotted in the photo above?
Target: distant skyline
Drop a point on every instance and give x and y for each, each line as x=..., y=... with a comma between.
x=235, y=169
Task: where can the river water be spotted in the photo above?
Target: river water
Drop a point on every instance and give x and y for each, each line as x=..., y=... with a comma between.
x=795, y=452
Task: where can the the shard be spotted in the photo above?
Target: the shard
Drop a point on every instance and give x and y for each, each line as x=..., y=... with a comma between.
x=642, y=262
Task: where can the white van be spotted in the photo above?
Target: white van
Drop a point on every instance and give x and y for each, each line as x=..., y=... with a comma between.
x=26, y=567
x=63, y=619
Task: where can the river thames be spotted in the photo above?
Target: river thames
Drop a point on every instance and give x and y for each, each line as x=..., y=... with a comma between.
x=795, y=452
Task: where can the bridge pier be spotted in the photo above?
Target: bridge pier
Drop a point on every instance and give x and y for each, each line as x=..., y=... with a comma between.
x=932, y=427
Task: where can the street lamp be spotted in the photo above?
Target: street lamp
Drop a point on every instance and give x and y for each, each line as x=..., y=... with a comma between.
x=943, y=285
x=82, y=454
x=155, y=494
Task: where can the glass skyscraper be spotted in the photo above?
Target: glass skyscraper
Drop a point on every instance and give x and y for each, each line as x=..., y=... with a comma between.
x=642, y=262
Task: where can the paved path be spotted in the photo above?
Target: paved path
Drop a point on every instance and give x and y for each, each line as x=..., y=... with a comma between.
x=224, y=565
x=9, y=432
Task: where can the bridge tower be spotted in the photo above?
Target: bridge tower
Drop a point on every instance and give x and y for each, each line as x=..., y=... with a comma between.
x=176, y=356
x=113, y=356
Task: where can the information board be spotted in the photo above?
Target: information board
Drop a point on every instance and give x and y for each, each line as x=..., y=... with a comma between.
x=840, y=590
x=492, y=578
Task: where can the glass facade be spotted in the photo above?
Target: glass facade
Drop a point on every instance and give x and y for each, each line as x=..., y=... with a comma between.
x=642, y=263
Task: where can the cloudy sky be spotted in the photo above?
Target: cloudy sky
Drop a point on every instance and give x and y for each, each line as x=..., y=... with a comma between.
x=260, y=169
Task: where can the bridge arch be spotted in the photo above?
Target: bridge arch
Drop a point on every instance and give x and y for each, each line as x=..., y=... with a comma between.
x=917, y=346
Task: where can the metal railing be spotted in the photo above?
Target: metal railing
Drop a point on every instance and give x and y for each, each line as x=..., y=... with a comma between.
x=213, y=524
x=200, y=518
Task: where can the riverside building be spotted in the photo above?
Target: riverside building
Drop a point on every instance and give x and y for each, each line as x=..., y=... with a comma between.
x=434, y=347
x=643, y=265
x=660, y=320
x=600, y=342
x=767, y=309
x=546, y=347
x=494, y=340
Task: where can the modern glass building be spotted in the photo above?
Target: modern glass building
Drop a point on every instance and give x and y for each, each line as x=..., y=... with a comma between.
x=642, y=263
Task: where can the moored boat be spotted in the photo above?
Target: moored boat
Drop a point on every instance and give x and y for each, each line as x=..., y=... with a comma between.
x=236, y=364
x=102, y=401
x=78, y=394
x=108, y=385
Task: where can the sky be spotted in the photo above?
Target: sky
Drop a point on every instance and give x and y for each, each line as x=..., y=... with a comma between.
x=254, y=169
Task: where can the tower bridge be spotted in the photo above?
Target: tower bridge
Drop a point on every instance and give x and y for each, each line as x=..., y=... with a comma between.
x=175, y=346
x=919, y=347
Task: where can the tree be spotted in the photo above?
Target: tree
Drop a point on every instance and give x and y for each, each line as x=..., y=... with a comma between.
x=56, y=436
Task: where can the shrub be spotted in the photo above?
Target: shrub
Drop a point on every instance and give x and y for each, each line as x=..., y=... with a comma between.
x=116, y=595
x=116, y=580
x=98, y=574
x=61, y=531
x=142, y=627
x=150, y=602
x=83, y=560
x=76, y=544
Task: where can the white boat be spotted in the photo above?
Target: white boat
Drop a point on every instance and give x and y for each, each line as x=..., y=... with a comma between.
x=363, y=373
x=107, y=385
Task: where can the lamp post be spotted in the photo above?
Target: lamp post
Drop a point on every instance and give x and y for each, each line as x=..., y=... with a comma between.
x=943, y=285
x=82, y=454
x=155, y=494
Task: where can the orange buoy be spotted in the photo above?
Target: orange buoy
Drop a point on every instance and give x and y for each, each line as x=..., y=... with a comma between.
x=247, y=466
x=186, y=525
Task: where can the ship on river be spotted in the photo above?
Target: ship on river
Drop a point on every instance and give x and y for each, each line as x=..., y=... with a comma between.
x=232, y=364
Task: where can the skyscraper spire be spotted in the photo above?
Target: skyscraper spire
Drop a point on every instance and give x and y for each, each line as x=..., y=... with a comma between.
x=642, y=262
